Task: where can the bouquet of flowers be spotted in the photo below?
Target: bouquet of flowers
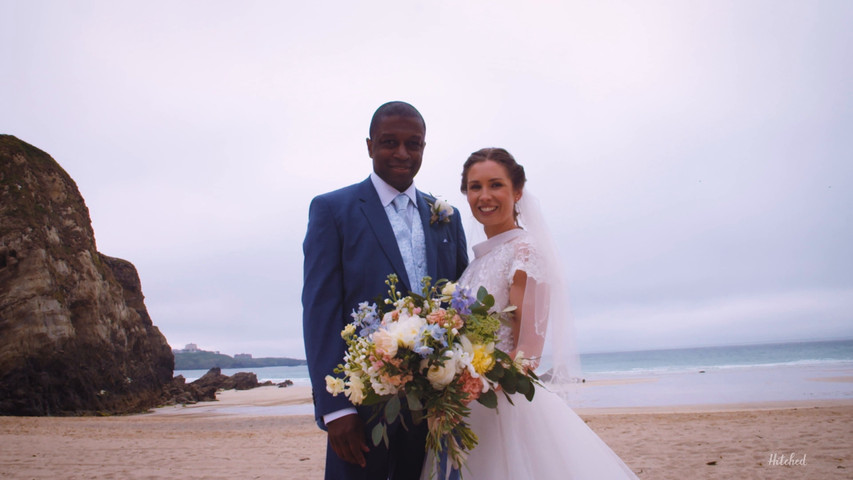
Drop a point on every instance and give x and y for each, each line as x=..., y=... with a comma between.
x=432, y=353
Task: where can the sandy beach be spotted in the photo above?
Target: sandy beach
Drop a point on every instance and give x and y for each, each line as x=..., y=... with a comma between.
x=265, y=434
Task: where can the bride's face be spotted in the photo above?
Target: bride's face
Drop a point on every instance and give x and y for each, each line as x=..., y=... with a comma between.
x=492, y=197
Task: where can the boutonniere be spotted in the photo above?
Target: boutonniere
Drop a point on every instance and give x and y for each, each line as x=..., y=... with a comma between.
x=440, y=211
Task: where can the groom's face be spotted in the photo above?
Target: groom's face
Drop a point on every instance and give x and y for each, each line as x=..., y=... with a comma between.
x=397, y=148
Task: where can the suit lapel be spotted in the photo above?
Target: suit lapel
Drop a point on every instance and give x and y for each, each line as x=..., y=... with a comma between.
x=376, y=217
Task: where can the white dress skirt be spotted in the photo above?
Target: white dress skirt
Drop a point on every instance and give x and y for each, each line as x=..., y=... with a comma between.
x=542, y=439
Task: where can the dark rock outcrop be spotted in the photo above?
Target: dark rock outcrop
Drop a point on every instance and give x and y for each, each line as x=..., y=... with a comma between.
x=204, y=389
x=215, y=380
x=179, y=392
x=241, y=381
x=75, y=337
x=209, y=383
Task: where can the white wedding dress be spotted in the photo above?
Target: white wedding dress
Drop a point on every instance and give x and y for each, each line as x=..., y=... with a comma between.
x=542, y=439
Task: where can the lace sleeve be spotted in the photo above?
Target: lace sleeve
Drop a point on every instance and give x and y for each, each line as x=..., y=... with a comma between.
x=534, y=308
x=528, y=260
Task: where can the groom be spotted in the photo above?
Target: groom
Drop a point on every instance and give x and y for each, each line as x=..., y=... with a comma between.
x=356, y=237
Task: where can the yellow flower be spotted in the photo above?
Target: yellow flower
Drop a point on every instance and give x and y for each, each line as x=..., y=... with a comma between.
x=484, y=358
x=348, y=331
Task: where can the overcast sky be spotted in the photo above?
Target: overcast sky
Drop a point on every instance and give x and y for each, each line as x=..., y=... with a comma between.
x=695, y=157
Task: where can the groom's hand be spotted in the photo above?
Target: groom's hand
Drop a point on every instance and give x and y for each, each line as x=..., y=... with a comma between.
x=346, y=435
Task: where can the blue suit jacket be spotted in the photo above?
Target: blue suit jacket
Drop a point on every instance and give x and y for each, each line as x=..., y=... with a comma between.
x=349, y=251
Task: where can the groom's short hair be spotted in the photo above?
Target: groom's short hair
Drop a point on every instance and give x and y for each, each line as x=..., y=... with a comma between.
x=389, y=109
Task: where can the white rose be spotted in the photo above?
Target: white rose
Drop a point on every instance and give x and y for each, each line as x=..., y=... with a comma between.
x=448, y=289
x=386, y=343
x=443, y=206
x=406, y=329
x=440, y=376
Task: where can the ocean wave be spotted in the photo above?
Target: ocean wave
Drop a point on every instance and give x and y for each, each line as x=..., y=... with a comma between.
x=695, y=368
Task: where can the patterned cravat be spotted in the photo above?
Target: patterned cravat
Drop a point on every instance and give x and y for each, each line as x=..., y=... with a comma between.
x=410, y=239
x=401, y=203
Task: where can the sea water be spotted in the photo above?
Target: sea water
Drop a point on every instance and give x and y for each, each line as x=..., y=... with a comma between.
x=798, y=372
x=686, y=376
x=297, y=374
x=684, y=360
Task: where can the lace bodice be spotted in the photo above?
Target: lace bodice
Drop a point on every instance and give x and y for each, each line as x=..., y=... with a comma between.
x=495, y=263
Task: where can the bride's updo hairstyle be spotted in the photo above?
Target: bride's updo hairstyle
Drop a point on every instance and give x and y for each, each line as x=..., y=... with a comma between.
x=501, y=156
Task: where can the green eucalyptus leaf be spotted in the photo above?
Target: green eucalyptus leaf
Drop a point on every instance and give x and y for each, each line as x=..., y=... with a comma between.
x=481, y=294
x=509, y=382
x=377, y=434
x=414, y=402
x=489, y=399
x=524, y=385
x=496, y=373
x=418, y=416
x=392, y=409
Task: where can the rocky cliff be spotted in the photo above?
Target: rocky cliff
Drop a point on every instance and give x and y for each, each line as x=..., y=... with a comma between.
x=75, y=336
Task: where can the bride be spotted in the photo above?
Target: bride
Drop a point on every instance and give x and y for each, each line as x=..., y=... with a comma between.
x=542, y=439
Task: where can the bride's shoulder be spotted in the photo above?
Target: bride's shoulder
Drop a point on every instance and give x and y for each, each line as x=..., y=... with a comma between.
x=524, y=241
x=526, y=252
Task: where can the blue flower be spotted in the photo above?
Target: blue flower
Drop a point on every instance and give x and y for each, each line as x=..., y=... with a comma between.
x=436, y=333
x=366, y=318
x=462, y=300
x=421, y=349
x=430, y=334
